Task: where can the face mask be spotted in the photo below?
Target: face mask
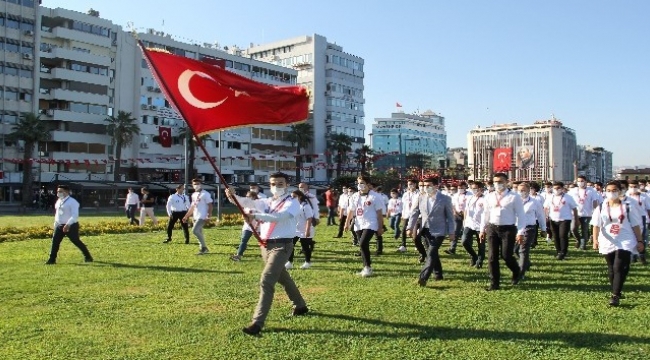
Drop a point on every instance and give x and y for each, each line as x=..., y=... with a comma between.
x=422, y=189
x=641, y=187
x=60, y=195
x=430, y=190
x=500, y=187
x=622, y=193
x=277, y=191
x=557, y=191
x=581, y=184
x=197, y=187
x=632, y=191
x=524, y=194
x=394, y=196
x=490, y=188
x=362, y=187
x=611, y=195
x=462, y=191
x=411, y=186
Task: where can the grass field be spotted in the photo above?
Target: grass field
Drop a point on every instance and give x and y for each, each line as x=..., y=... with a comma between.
x=142, y=299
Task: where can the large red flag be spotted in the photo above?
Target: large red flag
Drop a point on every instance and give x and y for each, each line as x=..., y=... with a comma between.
x=165, y=136
x=502, y=159
x=210, y=98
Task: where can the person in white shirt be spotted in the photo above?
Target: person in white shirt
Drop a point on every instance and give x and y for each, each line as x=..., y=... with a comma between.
x=394, y=212
x=503, y=222
x=617, y=235
x=66, y=223
x=277, y=230
x=255, y=187
x=534, y=215
x=587, y=201
x=409, y=199
x=148, y=203
x=472, y=225
x=247, y=231
x=561, y=210
x=177, y=205
x=459, y=199
x=548, y=192
x=643, y=202
x=376, y=192
x=201, y=211
x=367, y=210
x=342, y=210
x=131, y=206
x=304, y=231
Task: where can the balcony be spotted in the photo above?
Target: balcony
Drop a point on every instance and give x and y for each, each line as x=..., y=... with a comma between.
x=88, y=138
x=68, y=54
x=65, y=115
x=81, y=36
x=78, y=76
x=76, y=96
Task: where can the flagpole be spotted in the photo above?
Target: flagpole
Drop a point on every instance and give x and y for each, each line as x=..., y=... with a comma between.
x=164, y=87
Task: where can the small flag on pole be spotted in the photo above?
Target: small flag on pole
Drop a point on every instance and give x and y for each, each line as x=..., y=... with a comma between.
x=398, y=104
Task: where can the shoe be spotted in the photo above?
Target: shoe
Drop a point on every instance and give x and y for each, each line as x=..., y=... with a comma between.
x=472, y=262
x=422, y=282
x=358, y=253
x=253, y=330
x=88, y=259
x=366, y=272
x=50, y=262
x=187, y=241
x=438, y=278
x=167, y=241
x=235, y=258
x=450, y=252
x=203, y=251
x=422, y=259
x=559, y=257
x=401, y=248
x=643, y=260
x=288, y=265
x=479, y=264
x=492, y=288
x=300, y=311
x=516, y=279
x=614, y=300
x=306, y=265
x=548, y=241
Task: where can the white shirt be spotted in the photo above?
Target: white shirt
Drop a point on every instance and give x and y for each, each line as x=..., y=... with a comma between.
x=260, y=194
x=285, y=228
x=131, y=199
x=343, y=202
x=394, y=206
x=66, y=211
x=258, y=206
x=305, y=214
x=177, y=203
x=459, y=201
x=365, y=208
x=201, y=201
x=504, y=209
x=560, y=207
x=642, y=200
x=534, y=212
x=614, y=234
x=409, y=199
x=474, y=212
x=380, y=197
x=539, y=198
x=585, y=199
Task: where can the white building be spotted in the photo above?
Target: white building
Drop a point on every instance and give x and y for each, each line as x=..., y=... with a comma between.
x=545, y=150
x=335, y=80
x=595, y=163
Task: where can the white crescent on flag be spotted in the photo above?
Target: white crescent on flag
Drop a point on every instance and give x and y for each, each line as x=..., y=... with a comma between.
x=186, y=93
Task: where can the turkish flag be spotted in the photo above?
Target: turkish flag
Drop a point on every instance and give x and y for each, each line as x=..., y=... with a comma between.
x=502, y=159
x=210, y=98
x=165, y=136
x=398, y=104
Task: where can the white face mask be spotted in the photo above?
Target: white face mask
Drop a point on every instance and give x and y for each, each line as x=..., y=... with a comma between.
x=421, y=189
x=277, y=191
x=462, y=191
x=611, y=195
x=581, y=184
x=197, y=187
x=362, y=187
x=411, y=186
x=490, y=188
x=557, y=191
x=632, y=191
x=60, y=195
x=548, y=190
x=524, y=194
x=430, y=189
x=500, y=187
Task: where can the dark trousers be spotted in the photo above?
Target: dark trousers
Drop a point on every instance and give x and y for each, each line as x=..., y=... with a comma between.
x=178, y=216
x=432, y=264
x=501, y=242
x=618, y=266
x=458, y=234
x=581, y=232
x=73, y=235
x=549, y=230
x=468, y=244
x=364, y=237
x=342, y=220
x=307, y=245
x=561, y=231
x=405, y=224
x=331, y=215
x=130, y=213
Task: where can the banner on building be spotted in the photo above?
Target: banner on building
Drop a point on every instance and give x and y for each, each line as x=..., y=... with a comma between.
x=525, y=158
x=502, y=159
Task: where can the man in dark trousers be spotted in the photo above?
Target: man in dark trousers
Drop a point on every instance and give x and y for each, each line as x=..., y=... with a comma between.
x=66, y=223
x=177, y=205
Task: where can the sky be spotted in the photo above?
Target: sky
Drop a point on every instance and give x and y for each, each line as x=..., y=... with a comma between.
x=480, y=62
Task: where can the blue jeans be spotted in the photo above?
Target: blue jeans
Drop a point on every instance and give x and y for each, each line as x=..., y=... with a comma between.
x=394, y=224
x=243, y=243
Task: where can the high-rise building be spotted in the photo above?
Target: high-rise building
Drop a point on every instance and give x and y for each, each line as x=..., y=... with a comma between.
x=595, y=163
x=545, y=150
x=409, y=140
x=335, y=80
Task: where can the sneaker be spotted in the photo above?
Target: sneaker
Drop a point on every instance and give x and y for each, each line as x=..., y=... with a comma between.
x=203, y=251
x=288, y=265
x=450, y=252
x=548, y=241
x=253, y=330
x=300, y=311
x=614, y=300
x=235, y=258
x=306, y=265
x=422, y=282
x=167, y=241
x=422, y=259
x=88, y=259
x=366, y=272
x=401, y=248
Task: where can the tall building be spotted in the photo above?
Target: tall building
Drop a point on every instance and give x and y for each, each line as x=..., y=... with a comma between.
x=545, y=150
x=595, y=163
x=409, y=140
x=335, y=80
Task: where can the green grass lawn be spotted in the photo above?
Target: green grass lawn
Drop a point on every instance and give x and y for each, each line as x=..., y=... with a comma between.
x=142, y=299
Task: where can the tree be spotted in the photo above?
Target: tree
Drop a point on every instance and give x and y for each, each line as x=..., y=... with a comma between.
x=31, y=130
x=363, y=156
x=191, y=151
x=122, y=129
x=301, y=136
x=342, y=143
x=93, y=12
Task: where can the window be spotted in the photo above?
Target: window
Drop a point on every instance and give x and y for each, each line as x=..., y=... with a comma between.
x=11, y=95
x=11, y=71
x=25, y=73
x=12, y=24
x=11, y=47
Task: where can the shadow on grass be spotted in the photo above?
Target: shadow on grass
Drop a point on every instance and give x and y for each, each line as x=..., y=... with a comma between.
x=399, y=330
x=164, y=268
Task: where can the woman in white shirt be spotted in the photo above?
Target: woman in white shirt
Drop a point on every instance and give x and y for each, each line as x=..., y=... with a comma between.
x=617, y=234
x=304, y=230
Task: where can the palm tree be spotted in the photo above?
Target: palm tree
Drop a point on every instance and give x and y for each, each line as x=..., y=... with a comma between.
x=31, y=130
x=301, y=136
x=191, y=151
x=363, y=156
x=342, y=143
x=121, y=129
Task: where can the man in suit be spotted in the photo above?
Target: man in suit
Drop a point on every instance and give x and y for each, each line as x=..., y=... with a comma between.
x=437, y=222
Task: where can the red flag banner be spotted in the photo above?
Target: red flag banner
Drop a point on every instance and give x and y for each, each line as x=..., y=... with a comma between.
x=398, y=104
x=502, y=159
x=210, y=98
x=165, y=136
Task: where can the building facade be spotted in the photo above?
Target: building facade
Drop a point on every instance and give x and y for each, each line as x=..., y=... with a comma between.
x=633, y=174
x=409, y=140
x=335, y=80
x=595, y=163
x=545, y=150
